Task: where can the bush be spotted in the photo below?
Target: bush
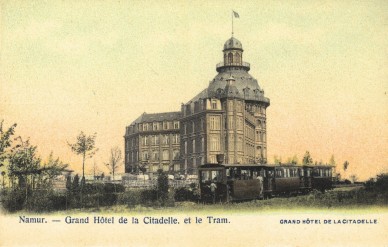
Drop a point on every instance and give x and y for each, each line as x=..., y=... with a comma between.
x=186, y=194
x=130, y=198
x=382, y=183
x=39, y=201
x=13, y=200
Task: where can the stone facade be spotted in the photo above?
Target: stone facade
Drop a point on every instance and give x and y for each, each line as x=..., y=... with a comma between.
x=152, y=142
x=228, y=117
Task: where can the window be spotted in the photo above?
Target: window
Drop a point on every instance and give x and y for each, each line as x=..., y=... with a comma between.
x=175, y=154
x=166, y=139
x=166, y=155
x=176, y=125
x=155, y=168
x=175, y=139
x=203, y=144
x=156, y=126
x=155, y=140
x=215, y=143
x=193, y=126
x=215, y=123
x=230, y=58
x=145, y=140
x=155, y=155
x=185, y=128
x=202, y=123
x=165, y=125
x=214, y=104
x=231, y=125
x=145, y=155
x=238, y=59
x=145, y=127
x=177, y=167
x=208, y=176
x=193, y=146
x=166, y=167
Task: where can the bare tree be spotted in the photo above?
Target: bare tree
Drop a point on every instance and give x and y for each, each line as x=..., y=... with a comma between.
x=114, y=160
x=85, y=146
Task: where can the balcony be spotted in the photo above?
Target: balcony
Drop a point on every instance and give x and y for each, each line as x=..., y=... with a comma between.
x=221, y=65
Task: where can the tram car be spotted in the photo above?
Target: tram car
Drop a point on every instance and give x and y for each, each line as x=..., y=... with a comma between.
x=233, y=182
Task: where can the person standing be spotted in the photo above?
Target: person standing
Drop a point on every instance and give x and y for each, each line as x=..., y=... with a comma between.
x=213, y=188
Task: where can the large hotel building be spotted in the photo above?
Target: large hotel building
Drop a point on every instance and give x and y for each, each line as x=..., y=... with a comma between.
x=228, y=117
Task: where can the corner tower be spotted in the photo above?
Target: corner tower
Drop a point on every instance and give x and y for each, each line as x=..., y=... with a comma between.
x=228, y=117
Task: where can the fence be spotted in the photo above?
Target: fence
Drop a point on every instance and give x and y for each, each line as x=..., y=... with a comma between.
x=151, y=183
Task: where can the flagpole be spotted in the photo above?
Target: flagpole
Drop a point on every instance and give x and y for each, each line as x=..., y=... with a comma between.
x=232, y=23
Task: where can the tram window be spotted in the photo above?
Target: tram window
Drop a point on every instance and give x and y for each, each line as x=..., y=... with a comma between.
x=263, y=173
x=279, y=173
x=301, y=172
x=207, y=176
x=271, y=174
x=315, y=172
x=216, y=176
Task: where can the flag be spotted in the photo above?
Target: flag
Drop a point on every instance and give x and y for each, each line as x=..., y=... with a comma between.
x=236, y=14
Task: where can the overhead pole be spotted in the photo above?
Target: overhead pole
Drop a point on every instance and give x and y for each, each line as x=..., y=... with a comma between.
x=232, y=22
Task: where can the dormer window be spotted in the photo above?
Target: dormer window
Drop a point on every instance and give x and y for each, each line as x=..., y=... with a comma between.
x=165, y=125
x=214, y=104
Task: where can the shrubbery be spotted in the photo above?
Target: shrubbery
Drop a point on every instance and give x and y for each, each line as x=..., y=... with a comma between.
x=187, y=194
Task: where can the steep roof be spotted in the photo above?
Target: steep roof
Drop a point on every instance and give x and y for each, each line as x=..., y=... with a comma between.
x=157, y=117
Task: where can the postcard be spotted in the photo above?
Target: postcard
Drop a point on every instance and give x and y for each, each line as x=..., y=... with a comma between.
x=180, y=123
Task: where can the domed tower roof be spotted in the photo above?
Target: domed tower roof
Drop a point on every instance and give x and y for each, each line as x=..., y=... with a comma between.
x=232, y=43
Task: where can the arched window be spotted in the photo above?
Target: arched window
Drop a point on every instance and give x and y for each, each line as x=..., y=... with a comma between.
x=176, y=154
x=166, y=155
x=230, y=58
x=155, y=155
x=238, y=58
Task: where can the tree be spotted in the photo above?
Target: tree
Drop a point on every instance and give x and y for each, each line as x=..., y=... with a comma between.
x=23, y=162
x=162, y=188
x=114, y=160
x=75, y=184
x=85, y=146
x=51, y=169
x=277, y=160
x=5, y=143
x=5, y=140
x=332, y=161
x=307, y=160
x=345, y=166
x=68, y=183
